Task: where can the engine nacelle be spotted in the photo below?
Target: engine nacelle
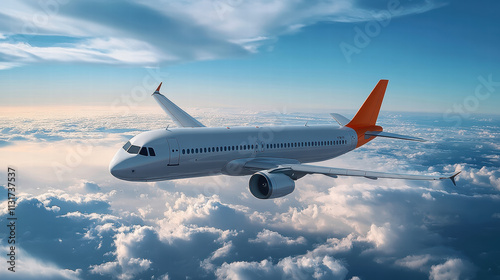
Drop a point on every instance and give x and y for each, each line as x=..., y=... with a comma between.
x=265, y=185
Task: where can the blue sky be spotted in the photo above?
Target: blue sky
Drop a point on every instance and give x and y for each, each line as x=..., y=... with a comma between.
x=251, y=54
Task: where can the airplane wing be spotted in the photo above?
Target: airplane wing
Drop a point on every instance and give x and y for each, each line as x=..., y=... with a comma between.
x=179, y=116
x=298, y=170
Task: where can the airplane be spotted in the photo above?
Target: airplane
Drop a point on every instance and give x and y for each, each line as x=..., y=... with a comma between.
x=274, y=156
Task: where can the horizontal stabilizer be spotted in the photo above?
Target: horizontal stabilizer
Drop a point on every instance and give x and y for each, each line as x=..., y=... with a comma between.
x=340, y=119
x=392, y=135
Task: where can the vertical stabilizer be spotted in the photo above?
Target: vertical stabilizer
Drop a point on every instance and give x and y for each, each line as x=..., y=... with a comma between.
x=366, y=117
x=368, y=113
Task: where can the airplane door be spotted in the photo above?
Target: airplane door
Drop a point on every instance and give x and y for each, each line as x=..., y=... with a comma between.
x=174, y=152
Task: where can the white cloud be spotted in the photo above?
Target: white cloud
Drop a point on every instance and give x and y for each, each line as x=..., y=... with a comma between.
x=108, y=51
x=416, y=262
x=28, y=267
x=146, y=33
x=428, y=196
x=301, y=267
x=449, y=270
x=212, y=227
x=488, y=177
x=219, y=253
x=272, y=238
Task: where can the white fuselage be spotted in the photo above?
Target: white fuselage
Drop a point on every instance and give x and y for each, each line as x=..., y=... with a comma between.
x=193, y=152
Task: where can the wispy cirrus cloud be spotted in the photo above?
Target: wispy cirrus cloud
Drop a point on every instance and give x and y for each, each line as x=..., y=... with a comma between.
x=146, y=33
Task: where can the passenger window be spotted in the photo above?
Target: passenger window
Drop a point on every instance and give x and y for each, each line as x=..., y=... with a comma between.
x=151, y=152
x=127, y=145
x=133, y=149
x=192, y=151
x=183, y=151
x=144, y=151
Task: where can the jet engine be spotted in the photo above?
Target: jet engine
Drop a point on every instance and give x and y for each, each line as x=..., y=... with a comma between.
x=265, y=185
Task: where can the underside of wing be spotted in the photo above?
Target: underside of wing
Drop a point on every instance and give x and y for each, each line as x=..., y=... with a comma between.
x=297, y=170
x=179, y=116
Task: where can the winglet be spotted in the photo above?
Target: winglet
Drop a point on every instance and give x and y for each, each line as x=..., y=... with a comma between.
x=452, y=177
x=158, y=89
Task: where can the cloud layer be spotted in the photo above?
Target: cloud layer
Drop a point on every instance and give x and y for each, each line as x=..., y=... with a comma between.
x=87, y=225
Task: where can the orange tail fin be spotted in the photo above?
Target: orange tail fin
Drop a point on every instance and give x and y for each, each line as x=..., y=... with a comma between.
x=366, y=117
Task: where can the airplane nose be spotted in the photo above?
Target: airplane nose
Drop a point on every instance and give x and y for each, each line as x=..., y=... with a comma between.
x=116, y=169
x=120, y=167
x=121, y=170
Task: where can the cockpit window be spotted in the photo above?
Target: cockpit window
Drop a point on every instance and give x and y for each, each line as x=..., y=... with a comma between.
x=143, y=151
x=133, y=149
x=127, y=145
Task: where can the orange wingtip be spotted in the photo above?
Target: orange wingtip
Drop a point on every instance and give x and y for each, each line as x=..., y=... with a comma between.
x=158, y=89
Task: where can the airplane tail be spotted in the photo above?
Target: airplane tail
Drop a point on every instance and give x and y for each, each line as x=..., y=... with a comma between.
x=368, y=113
x=366, y=118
